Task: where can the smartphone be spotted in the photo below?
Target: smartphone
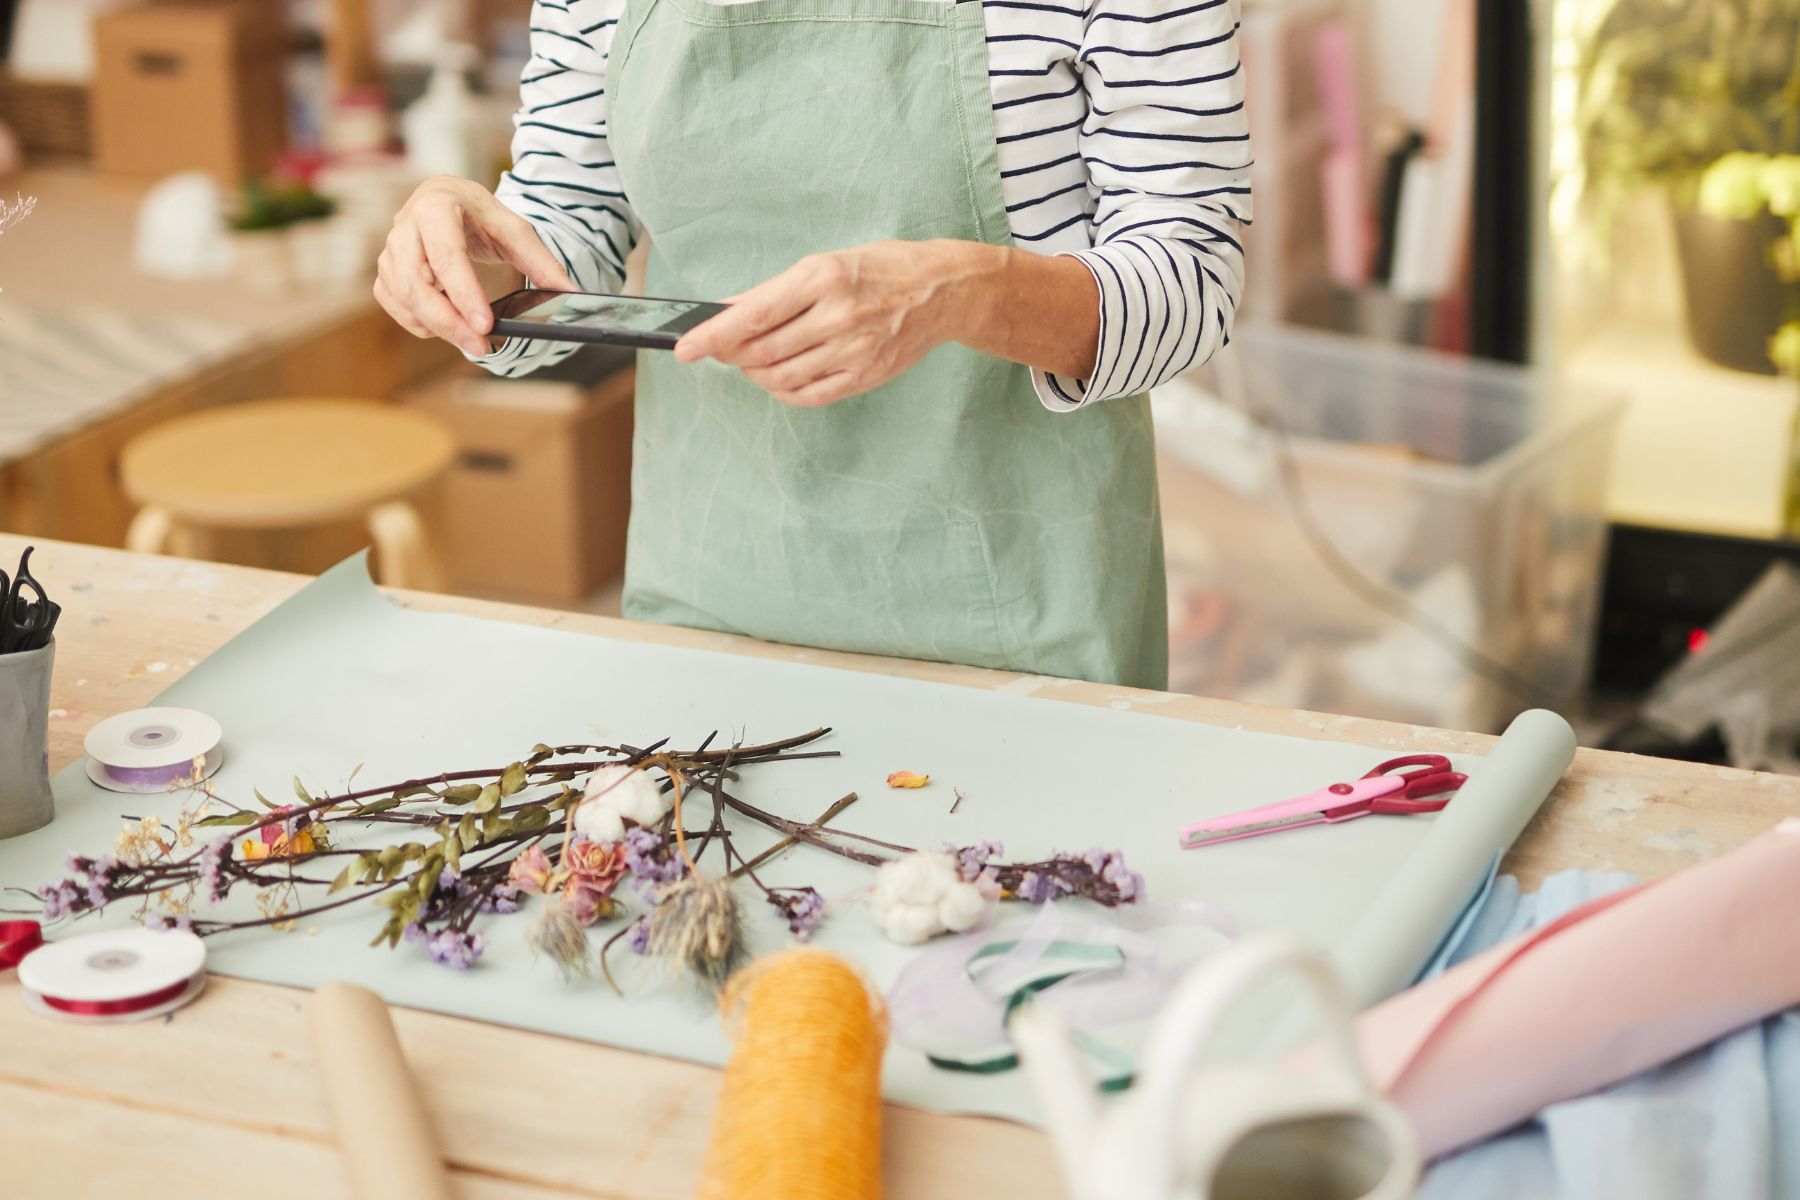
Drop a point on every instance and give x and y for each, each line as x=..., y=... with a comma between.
x=590, y=317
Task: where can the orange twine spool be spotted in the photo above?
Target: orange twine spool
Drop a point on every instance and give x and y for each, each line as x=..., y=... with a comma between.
x=800, y=1112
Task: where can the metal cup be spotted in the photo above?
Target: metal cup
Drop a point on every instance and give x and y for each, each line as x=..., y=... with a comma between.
x=25, y=800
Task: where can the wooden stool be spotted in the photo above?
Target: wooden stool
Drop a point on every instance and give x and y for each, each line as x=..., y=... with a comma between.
x=285, y=464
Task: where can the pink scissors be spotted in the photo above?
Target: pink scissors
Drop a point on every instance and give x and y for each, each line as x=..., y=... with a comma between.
x=1386, y=789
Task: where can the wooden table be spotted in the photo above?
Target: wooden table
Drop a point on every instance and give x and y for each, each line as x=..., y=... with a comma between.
x=222, y=1098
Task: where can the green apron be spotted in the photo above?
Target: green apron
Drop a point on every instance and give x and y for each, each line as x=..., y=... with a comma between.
x=946, y=515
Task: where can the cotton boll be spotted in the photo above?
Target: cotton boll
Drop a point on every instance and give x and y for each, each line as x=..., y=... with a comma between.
x=961, y=907
x=597, y=822
x=922, y=877
x=613, y=795
x=891, y=878
x=911, y=925
x=894, y=905
x=626, y=789
x=640, y=799
x=908, y=924
x=603, y=781
x=919, y=896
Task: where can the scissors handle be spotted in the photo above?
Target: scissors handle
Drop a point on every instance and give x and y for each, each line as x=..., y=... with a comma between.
x=1427, y=789
x=23, y=621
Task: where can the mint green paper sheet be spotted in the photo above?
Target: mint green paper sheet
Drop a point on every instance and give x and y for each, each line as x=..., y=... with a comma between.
x=338, y=676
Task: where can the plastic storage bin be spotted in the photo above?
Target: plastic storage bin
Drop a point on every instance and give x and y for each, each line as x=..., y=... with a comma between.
x=1421, y=541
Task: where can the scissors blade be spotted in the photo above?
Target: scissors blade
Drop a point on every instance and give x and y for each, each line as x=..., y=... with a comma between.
x=1234, y=832
x=1328, y=805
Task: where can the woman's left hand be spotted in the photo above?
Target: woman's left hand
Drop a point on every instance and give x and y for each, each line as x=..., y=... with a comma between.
x=839, y=324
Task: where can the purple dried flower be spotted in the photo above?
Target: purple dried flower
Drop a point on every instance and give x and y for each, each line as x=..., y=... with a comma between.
x=802, y=908
x=212, y=868
x=1112, y=881
x=184, y=923
x=157, y=923
x=639, y=937
x=415, y=932
x=448, y=879
x=1128, y=883
x=60, y=899
x=503, y=899
x=101, y=869
x=648, y=859
x=972, y=861
x=73, y=863
x=456, y=948
x=96, y=896
x=640, y=846
x=1099, y=875
x=1035, y=888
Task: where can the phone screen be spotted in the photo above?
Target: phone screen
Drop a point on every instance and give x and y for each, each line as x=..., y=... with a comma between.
x=604, y=314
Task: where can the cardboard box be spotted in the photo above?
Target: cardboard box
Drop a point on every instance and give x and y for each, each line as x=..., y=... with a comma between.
x=536, y=505
x=194, y=84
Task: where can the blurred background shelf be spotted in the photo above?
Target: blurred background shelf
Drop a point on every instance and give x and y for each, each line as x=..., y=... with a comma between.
x=92, y=351
x=1701, y=448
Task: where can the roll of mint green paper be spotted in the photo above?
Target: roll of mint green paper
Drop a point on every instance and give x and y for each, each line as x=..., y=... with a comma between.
x=1505, y=790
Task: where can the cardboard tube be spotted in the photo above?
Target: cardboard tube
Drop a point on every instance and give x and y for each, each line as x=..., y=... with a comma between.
x=381, y=1124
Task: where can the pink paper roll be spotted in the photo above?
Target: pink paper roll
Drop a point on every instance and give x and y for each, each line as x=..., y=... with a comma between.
x=1334, y=57
x=1608, y=990
x=1349, y=226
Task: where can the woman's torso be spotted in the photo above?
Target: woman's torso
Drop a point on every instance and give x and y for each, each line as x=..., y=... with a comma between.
x=1041, y=106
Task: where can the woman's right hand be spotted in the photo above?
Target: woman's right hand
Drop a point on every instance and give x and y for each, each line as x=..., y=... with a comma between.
x=425, y=277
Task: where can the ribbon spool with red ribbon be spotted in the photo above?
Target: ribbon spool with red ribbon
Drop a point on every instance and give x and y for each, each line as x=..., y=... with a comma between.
x=114, y=975
x=118, y=1008
x=17, y=939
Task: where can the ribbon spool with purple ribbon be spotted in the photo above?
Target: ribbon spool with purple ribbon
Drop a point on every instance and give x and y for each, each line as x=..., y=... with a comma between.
x=154, y=750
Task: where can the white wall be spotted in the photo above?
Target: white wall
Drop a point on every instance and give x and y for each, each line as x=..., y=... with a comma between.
x=1401, y=40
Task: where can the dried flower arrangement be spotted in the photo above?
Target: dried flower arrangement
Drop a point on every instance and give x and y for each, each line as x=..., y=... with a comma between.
x=568, y=825
x=18, y=210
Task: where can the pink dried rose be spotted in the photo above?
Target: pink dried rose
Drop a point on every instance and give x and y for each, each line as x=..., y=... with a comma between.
x=272, y=832
x=595, y=869
x=530, y=871
x=595, y=866
x=585, y=906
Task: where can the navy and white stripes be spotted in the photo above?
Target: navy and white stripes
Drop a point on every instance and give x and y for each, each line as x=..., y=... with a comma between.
x=1121, y=138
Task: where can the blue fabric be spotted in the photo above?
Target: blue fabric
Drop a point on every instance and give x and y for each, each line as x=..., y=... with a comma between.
x=1722, y=1122
x=1460, y=932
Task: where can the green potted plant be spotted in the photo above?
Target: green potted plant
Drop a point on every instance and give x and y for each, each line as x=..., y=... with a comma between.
x=261, y=224
x=1745, y=187
x=1764, y=189
x=1668, y=88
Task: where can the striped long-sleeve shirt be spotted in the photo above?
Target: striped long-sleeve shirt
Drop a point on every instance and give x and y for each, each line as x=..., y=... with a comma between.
x=1121, y=139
